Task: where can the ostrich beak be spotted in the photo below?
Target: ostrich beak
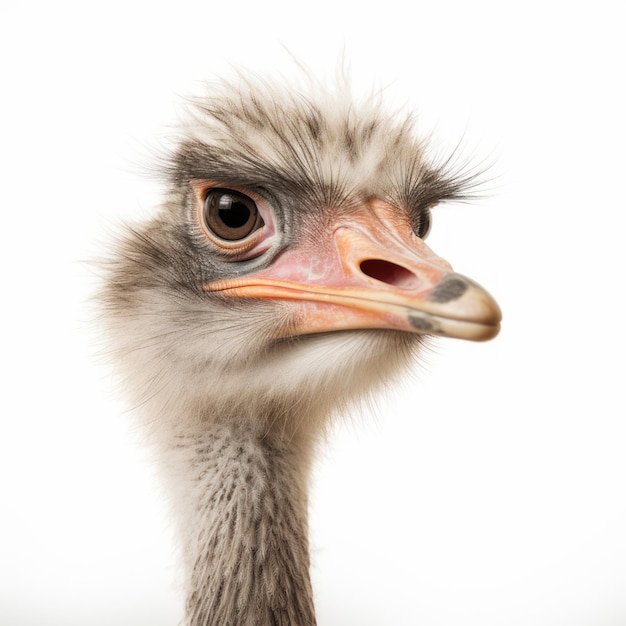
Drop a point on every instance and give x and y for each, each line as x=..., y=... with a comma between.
x=372, y=271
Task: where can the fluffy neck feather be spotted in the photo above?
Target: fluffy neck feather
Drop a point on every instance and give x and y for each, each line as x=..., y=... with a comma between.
x=244, y=504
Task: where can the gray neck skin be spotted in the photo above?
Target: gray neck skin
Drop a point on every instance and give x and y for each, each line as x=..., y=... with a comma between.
x=246, y=533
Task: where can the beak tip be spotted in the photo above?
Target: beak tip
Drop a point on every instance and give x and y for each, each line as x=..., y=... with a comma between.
x=462, y=309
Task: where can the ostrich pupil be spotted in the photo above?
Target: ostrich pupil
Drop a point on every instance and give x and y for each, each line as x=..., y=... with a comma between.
x=233, y=212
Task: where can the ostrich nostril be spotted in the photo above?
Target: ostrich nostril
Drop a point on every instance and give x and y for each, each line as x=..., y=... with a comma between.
x=390, y=273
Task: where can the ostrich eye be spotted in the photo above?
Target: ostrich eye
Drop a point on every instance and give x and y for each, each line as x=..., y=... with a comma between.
x=424, y=224
x=231, y=215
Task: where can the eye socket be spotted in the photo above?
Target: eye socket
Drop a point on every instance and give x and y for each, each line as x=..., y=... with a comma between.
x=424, y=224
x=230, y=215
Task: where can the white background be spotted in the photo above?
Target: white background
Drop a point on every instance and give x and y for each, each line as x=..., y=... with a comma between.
x=490, y=487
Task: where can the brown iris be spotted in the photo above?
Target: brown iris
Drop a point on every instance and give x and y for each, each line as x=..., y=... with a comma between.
x=231, y=215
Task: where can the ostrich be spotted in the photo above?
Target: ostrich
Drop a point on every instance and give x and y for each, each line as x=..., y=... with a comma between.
x=284, y=277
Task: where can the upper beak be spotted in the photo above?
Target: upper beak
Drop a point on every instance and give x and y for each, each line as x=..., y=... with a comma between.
x=372, y=272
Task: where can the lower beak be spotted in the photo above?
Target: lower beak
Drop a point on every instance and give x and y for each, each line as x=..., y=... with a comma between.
x=372, y=273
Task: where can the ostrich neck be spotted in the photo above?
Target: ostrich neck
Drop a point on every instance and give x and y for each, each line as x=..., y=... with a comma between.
x=246, y=533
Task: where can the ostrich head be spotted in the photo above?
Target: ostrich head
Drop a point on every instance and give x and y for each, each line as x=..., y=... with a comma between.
x=284, y=275
x=287, y=265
